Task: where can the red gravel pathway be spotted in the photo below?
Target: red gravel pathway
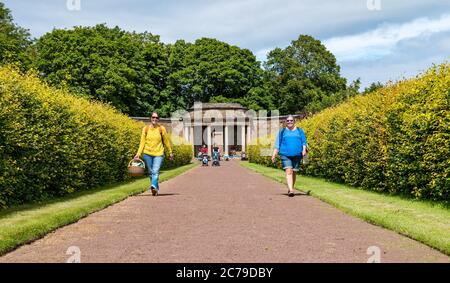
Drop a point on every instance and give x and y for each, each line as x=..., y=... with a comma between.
x=223, y=214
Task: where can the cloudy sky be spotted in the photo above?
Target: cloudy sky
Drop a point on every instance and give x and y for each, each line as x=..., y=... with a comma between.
x=376, y=40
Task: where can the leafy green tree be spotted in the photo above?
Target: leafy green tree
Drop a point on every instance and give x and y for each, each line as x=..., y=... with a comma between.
x=305, y=76
x=15, y=42
x=137, y=74
x=373, y=87
x=175, y=94
x=335, y=98
x=259, y=98
x=213, y=71
x=107, y=64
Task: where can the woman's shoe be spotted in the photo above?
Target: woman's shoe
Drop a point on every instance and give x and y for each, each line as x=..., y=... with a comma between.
x=154, y=191
x=291, y=193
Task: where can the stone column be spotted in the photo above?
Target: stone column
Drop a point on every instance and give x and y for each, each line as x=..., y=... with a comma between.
x=243, y=137
x=226, y=139
x=208, y=138
x=247, y=136
x=186, y=133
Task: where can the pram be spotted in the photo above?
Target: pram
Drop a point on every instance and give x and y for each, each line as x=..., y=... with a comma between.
x=215, y=157
x=205, y=159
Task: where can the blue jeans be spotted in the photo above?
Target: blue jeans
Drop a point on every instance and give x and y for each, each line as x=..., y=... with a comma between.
x=153, y=164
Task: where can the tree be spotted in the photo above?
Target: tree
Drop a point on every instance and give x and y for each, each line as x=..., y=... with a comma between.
x=107, y=64
x=137, y=74
x=373, y=87
x=211, y=71
x=305, y=76
x=15, y=41
x=335, y=98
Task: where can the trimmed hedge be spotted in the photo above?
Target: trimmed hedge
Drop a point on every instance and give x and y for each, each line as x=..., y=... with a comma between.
x=394, y=140
x=52, y=143
x=260, y=152
x=182, y=153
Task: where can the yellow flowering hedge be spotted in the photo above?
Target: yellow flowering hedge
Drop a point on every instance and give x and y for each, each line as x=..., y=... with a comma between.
x=395, y=140
x=182, y=153
x=260, y=152
x=52, y=143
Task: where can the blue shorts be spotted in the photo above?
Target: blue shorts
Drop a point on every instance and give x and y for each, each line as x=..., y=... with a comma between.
x=291, y=162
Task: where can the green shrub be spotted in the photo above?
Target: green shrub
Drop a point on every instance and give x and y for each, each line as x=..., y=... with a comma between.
x=52, y=143
x=182, y=152
x=395, y=139
x=418, y=131
x=260, y=151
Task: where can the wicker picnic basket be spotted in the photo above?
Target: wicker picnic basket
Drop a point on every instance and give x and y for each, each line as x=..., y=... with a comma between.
x=136, y=168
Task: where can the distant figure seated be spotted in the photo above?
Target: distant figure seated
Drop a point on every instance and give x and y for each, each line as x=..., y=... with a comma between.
x=204, y=149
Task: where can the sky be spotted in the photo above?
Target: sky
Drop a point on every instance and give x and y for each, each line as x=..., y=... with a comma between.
x=374, y=40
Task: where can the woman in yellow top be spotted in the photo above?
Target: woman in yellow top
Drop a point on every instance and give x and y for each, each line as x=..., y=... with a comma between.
x=152, y=139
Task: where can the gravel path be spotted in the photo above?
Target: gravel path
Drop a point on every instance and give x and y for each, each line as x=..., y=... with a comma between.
x=223, y=214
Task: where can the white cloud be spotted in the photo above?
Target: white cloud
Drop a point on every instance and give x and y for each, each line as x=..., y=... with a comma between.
x=380, y=42
x=409, y=58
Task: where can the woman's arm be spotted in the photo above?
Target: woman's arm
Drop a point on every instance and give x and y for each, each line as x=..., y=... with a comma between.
x=304, y=142
x=141, y=144
x=276, y=148
x=274, y=155
x=166, y=140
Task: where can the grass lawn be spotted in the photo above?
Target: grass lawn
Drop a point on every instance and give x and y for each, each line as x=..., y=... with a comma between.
x=423, y=221
x=23, y=224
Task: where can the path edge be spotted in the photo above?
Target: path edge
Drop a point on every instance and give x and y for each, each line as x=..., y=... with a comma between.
x=77, y=217
x=352, y=213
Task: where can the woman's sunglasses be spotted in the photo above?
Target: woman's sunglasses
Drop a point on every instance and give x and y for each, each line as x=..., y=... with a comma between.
x=289, y=121
x=153, y=117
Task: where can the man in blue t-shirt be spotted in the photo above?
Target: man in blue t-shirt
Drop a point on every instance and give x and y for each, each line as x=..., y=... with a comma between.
x=291, y=145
